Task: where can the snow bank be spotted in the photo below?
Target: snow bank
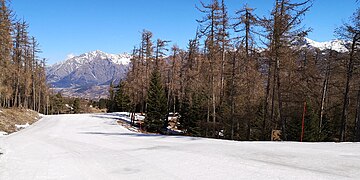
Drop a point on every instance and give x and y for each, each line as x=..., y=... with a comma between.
x=2, y=133
x=19, y=127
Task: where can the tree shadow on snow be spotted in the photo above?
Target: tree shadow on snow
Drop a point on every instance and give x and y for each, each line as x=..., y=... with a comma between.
x=110, y=116
x=123, y=134
x=115, y=117
x=139, y=135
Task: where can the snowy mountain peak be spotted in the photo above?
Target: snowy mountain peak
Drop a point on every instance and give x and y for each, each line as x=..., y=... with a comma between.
x=336, y=45
x=121, y=59
x=89, y=73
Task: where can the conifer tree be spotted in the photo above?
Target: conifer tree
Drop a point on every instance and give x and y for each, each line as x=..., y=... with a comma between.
x=210, y=26
x=157, y=104
x=122, y=100
x=5, y=54
x=57, y=104
x=22, y=76
x=283, y=29
x=77, y=105
x=311, y=124
x=351, y=32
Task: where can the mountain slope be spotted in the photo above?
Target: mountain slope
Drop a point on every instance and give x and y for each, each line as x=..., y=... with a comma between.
x=336, y=45
x=80, y=75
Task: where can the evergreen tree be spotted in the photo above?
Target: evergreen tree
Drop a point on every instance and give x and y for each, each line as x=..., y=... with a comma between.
x=311, y=124
x=57, y=103
x=77, y=105
x=122, y=100
x=191, y=115
x=156, y=104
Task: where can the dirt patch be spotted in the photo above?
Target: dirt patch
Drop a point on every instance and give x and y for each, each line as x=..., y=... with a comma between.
x=133, y=128
x=10, y=117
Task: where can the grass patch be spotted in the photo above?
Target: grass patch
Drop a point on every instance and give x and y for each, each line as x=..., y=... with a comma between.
x=10, y=117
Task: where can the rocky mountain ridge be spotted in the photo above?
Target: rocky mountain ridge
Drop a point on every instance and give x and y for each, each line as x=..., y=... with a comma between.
x=88, y=75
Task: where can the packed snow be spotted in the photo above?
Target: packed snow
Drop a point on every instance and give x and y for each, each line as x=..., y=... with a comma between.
x=94, y=146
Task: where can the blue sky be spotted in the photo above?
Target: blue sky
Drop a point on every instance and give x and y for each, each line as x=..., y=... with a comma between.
x=77, y=26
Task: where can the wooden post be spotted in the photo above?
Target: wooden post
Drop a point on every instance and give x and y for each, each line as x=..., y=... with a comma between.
x=303, y=123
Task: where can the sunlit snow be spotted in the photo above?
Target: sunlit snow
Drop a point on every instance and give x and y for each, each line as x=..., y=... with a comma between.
x=94, y=146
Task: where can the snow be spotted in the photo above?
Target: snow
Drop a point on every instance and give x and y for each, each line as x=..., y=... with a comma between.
x=2, y=133
x=20, y=126
x=336, y=45
x=74, y=62
x=68, y=106
x=93, y=146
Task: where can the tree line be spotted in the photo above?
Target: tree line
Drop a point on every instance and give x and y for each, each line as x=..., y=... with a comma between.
x=245, y=76
x=22, y=72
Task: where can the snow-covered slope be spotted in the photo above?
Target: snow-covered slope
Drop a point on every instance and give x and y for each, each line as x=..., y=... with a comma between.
x=64, y=68
x=85, y=71
x=93, y=146
x=336, y=45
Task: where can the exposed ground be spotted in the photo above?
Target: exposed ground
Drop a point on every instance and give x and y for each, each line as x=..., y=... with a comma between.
x=10, y=117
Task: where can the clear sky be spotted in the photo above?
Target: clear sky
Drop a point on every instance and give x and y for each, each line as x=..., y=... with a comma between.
x=65, y=27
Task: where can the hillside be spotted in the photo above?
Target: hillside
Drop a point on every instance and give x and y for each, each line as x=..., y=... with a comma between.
x=9, y=118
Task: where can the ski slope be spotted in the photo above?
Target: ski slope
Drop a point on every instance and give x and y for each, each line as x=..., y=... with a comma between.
x=93, y=146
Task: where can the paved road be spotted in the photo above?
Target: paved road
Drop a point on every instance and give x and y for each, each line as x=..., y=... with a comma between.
x=93, y=146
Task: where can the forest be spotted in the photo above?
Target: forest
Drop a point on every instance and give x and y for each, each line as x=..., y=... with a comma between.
x=245, y=76
x=22, y=72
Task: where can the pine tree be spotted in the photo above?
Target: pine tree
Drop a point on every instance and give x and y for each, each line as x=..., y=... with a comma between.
x=191, y=114
x=122, y=100
x=311, y=124
x=156, y=104
x=77, y=105
x=57, y=104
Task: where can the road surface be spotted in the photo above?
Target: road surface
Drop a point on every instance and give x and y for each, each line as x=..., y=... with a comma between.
x=93, y=146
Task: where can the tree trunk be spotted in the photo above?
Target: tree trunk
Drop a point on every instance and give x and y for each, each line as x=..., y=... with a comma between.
x=349, y=73
x=357, y=121
x=266, y=102
x=232, y=99
x=323, y=98
x=281, y=118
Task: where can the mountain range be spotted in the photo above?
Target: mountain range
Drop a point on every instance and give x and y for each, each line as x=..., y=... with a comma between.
x=336, y=45
x=90, y=74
